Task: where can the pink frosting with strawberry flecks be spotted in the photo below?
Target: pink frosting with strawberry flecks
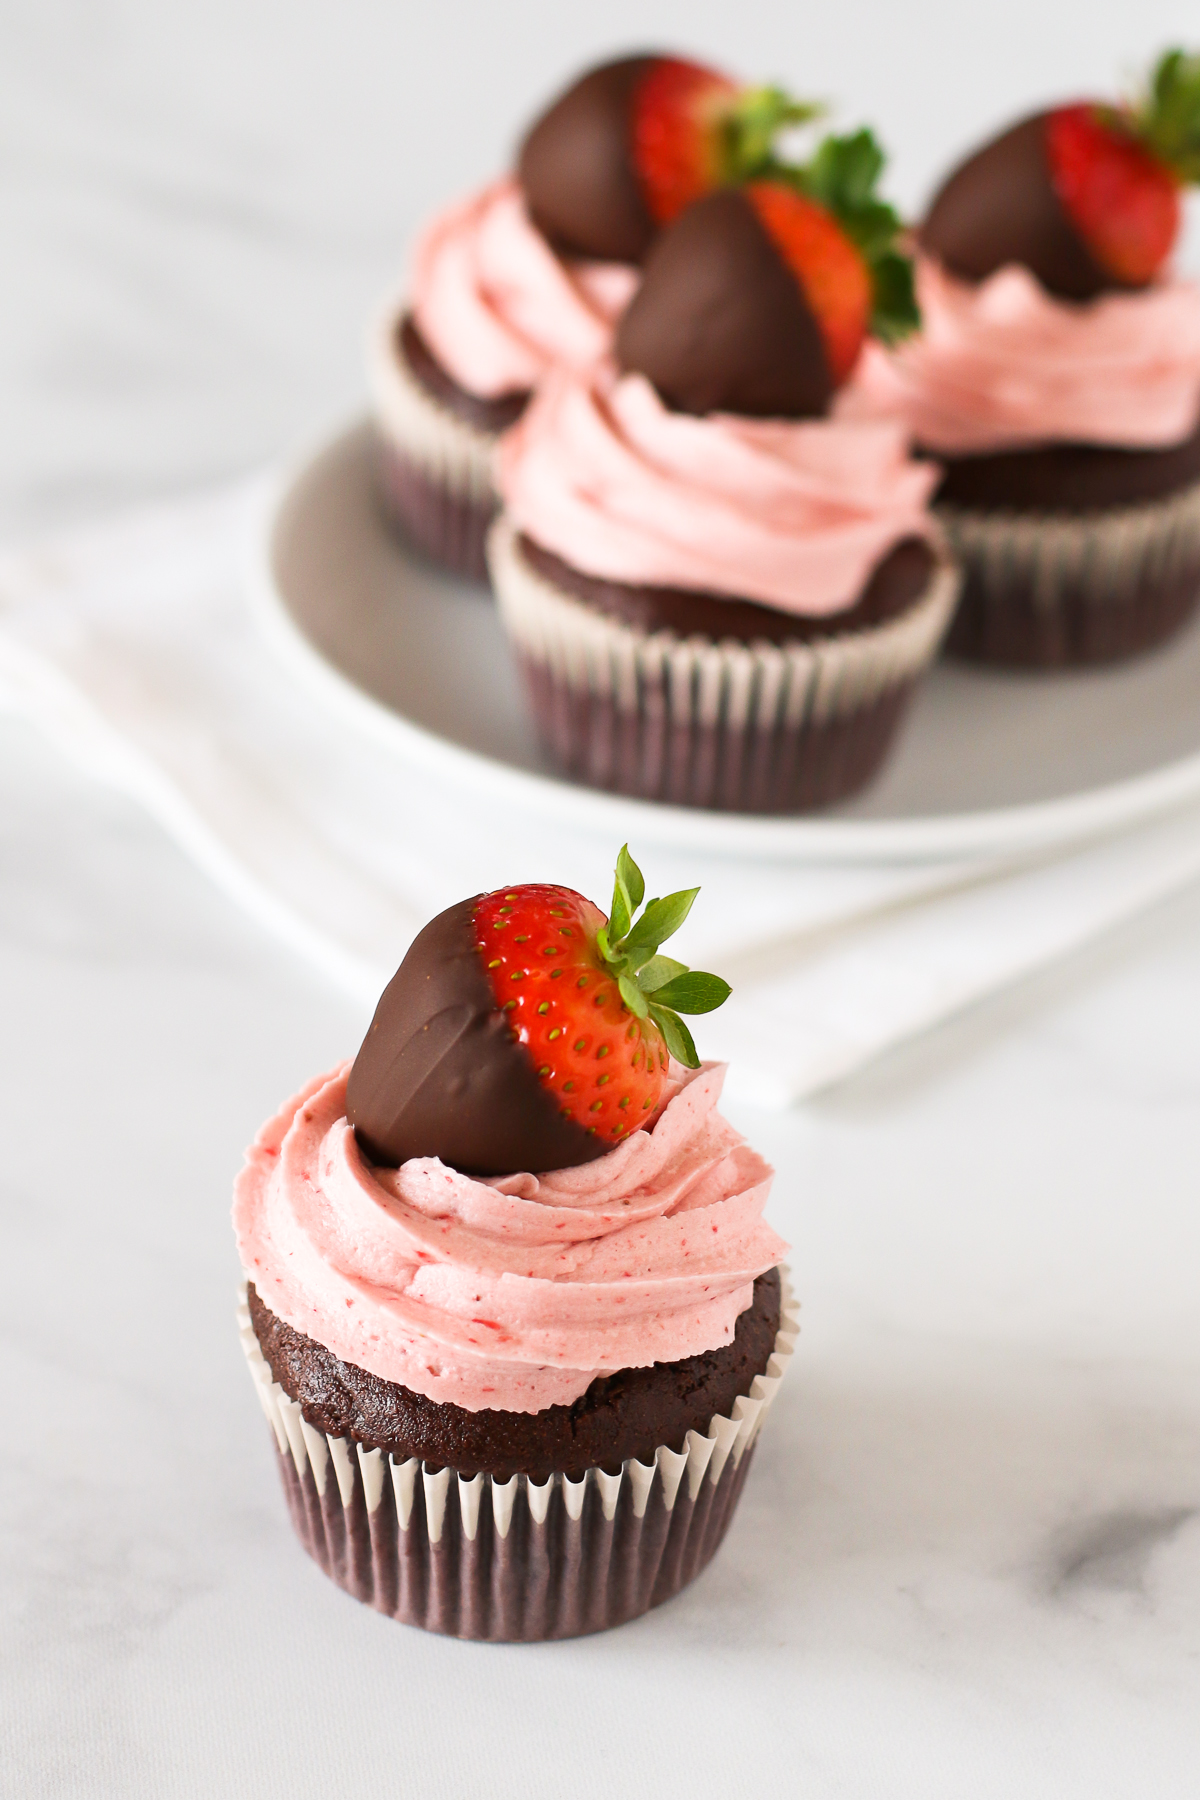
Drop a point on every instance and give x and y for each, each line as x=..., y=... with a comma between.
x=497, y=307
x=793, y=513
x=1003, y=365
x=513, y=1292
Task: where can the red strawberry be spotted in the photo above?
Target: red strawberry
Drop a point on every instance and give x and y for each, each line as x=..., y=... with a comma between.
x=831, y=270
x=589, y=999
x=1086, y=196
x=524, y=1032
x=756, y=300
x=680, y=113
x=1122, y=200
x=631, y=143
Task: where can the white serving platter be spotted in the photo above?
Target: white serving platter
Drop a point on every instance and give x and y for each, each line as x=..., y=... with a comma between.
x=988, y=763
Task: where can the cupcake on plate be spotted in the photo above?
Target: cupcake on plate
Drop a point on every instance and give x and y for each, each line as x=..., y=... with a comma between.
x=512, y=1309
x=718, y=594
x=1057, y=379
x=534, y=270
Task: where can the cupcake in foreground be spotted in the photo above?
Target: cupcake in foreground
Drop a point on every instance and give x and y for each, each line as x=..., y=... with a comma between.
x=1057, y=379
x=534, y=271
x=512, y=1308
x=718, y=595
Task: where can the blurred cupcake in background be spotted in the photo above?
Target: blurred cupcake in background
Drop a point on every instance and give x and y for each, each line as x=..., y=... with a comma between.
x=533, y=272
x=718, y=594
x=1057, y=379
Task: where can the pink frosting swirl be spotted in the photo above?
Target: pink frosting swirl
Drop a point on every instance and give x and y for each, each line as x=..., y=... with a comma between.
x=1004, y=364
x=497, y=307
x=513, y=1293
x=793, y=513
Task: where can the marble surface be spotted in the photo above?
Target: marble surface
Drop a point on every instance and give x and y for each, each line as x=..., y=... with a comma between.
x=968, y=1562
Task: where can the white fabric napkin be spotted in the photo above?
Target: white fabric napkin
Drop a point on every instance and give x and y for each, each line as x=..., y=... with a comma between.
x=133, y=647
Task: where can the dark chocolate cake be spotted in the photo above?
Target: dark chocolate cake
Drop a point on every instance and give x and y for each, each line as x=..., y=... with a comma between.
x=624, y=1415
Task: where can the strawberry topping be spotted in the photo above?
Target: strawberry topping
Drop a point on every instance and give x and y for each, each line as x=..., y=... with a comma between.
x=1122, y=200
x=830, y=269
x=678, y=132
x=590, y=999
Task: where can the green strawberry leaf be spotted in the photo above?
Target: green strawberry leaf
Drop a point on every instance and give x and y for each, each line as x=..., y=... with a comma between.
x=896, y=313
x=841, y=177
x=658, y=971
x=844, y=170
x=872, y=227
x=633, y=996
x=676, y=1035
x=661, y=920
x=693, y=992
x=1167, y=120
x=654, y=986
x=630, y=877
x=620, y=914
x=753, y=123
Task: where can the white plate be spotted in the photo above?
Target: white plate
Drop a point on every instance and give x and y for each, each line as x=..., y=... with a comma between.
x=987, y=762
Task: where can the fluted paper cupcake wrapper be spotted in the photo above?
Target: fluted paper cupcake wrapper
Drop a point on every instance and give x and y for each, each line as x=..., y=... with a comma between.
x=516, y=1560
x=748, y=727
x=435, y=470
x=1056, y=589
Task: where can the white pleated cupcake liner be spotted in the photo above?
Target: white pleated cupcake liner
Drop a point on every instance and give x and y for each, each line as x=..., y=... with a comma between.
x=517, y=1560
x=1053, y=564
x=450, y=453
x=760, y=727
x=742, y=686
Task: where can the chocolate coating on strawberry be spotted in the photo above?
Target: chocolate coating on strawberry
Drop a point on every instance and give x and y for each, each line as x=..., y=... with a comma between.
x=525, y=1032
x=1086, y=195
x=720, y=324
x=576, y=167
x=1000, y=206
x=441, y=1074
x=633, y=143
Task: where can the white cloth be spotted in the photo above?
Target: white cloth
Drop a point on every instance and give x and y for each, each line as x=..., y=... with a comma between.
x=133, y=647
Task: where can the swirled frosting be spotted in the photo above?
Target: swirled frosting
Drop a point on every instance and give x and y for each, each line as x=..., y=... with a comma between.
x=1004, y=364
x=497, y=307
x=515, y=1292
x=794, y=513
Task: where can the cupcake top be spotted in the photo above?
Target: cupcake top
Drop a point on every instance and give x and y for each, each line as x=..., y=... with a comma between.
x=701, y=455
x=1049, y=314
x=793, y=513
x=1002, y=364
x=523, y=1181
x=497, y=307
x=509, y=1292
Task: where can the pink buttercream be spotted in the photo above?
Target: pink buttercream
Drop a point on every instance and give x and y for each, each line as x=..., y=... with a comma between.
x=795, y=513
x=1004, y=364
x=497, y=307
x=513, y=1292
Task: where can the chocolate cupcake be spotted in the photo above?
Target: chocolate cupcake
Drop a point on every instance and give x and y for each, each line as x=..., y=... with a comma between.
x=489, y=308
x=533, y=272
x=1057, y=380
x=511, y=1307
x=718, y=595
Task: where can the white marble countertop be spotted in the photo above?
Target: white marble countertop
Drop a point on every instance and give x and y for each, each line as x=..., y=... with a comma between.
x=968, y=1562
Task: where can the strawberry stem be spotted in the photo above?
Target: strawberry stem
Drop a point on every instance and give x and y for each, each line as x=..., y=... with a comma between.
x=1167, y=118
x=655, y=988
x=842, y=176
x=752, y=124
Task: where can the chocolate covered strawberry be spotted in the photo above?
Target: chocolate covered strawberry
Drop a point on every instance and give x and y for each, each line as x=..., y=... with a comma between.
x=757, y=300
x=524, y=1031
x=1086, y=196
x=633, y=142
